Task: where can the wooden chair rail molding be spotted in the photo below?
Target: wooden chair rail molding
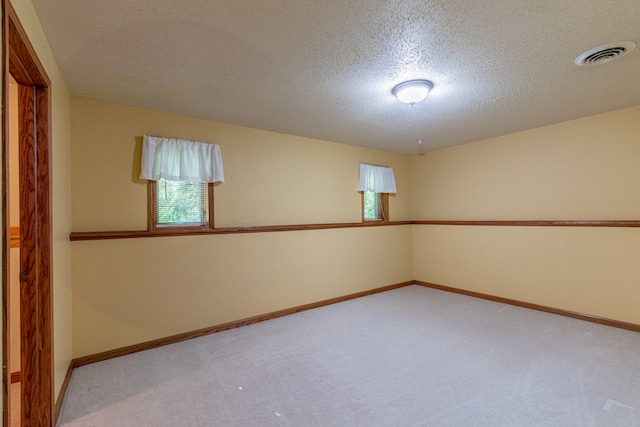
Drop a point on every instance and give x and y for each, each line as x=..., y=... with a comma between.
x=544, y=223
x=14, y=236
x=106, y=235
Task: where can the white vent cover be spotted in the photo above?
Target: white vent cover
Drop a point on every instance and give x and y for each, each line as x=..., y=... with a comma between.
x=605, y=53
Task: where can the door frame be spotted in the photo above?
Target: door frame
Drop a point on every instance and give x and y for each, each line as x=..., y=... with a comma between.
x=37, y=377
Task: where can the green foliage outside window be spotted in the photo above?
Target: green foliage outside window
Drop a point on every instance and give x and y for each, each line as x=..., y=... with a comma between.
x=180, y=202
x=372, y=206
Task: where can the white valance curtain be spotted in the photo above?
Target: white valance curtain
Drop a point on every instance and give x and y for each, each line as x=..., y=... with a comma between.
x=377, y=179
x=180, y=160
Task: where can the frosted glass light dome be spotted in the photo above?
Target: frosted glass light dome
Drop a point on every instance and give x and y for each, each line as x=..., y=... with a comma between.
x=412, y=91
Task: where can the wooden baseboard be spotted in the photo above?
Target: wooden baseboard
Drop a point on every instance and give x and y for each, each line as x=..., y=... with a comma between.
x=15, y=377
x=588, y=317
x=236, y=324
x=63, y=392
x=225, y=326
x=261, y=318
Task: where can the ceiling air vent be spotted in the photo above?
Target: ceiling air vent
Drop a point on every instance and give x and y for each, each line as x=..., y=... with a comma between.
x=605, y=53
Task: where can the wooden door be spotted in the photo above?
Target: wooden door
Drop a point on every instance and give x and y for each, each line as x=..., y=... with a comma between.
x=20, y=60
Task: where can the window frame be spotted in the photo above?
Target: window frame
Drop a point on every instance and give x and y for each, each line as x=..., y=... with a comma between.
x=384, y=209
x=152, y=212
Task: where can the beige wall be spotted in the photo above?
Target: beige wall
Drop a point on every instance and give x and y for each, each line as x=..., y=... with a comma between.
x=134, y=290
x=131, y=291
x=581, y=169
x=60, y=127
x=128, y=291
x=271, y=178
x=578, y=170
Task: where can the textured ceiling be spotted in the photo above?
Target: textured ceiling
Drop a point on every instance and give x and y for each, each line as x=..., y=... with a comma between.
x=325, y=69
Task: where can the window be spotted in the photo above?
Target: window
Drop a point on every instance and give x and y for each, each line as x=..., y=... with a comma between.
x=375, y=184
x=180, y=204
x=375, y=206
x=181, y=176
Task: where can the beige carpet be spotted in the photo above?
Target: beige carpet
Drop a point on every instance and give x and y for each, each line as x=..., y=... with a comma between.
x=408, y=357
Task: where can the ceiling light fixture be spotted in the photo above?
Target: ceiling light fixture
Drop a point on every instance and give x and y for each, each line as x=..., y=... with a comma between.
x=412, y=91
